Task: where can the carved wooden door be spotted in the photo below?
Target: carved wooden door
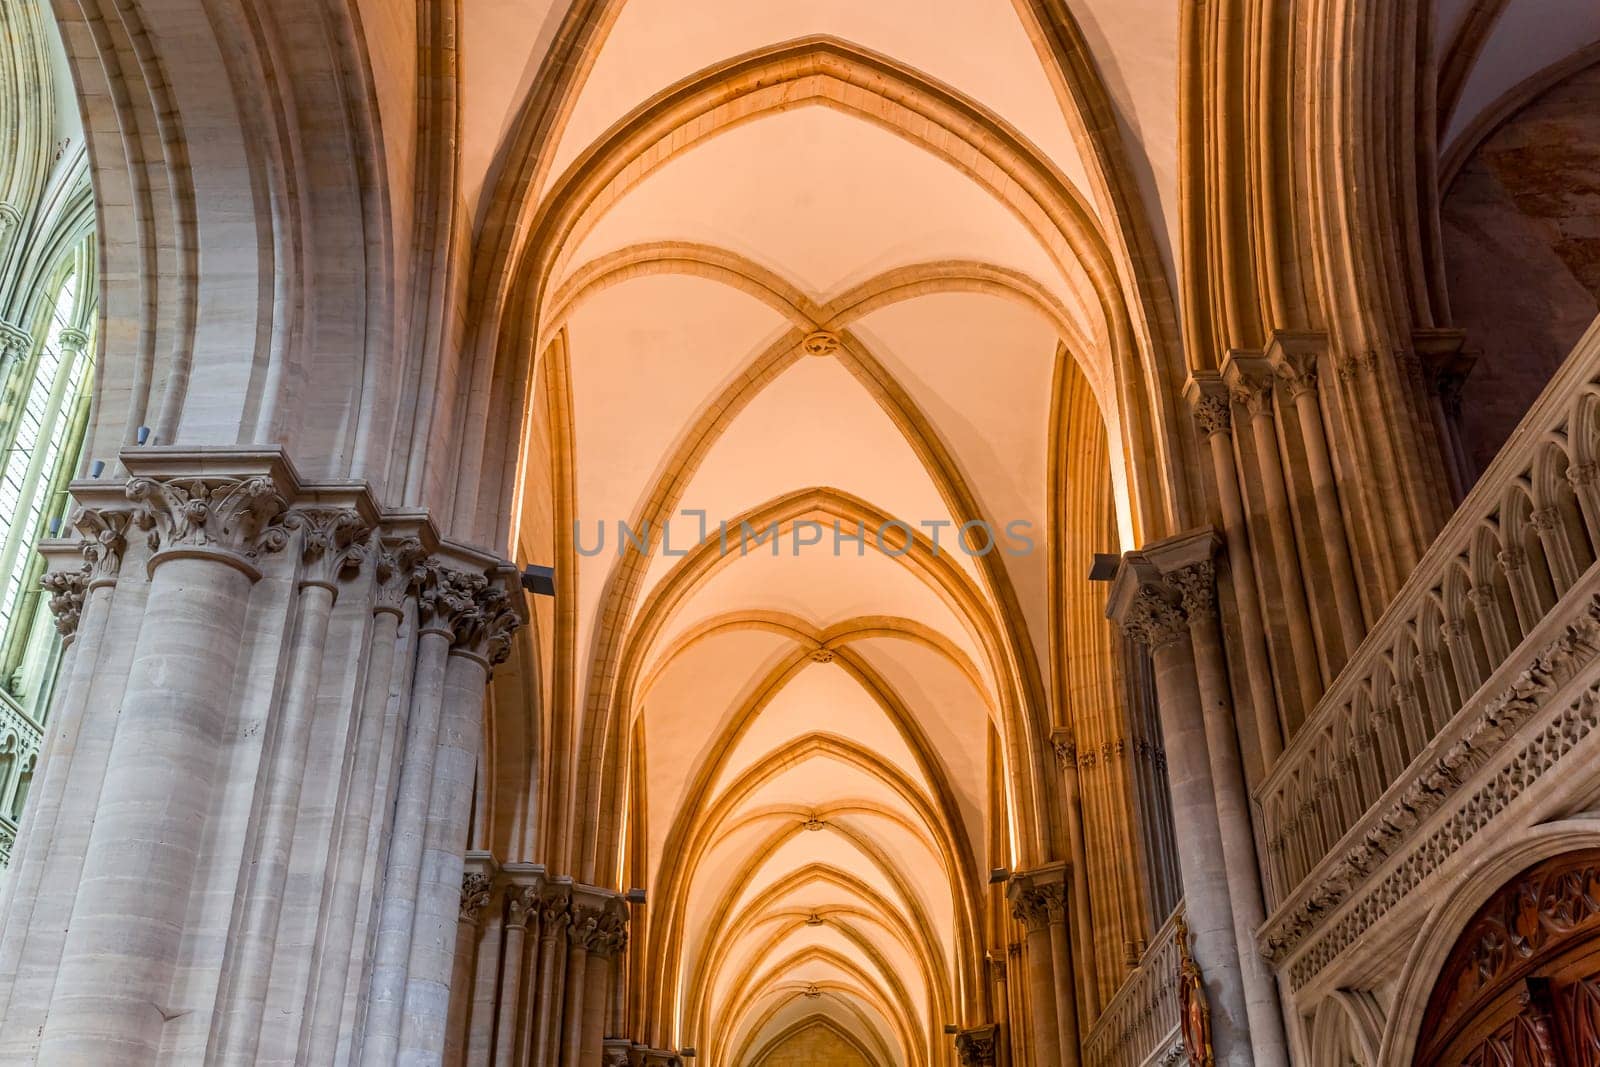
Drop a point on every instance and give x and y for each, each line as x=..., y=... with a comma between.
x=1521, y=987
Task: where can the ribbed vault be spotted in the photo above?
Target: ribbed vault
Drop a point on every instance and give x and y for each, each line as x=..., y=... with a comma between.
x=800, y=276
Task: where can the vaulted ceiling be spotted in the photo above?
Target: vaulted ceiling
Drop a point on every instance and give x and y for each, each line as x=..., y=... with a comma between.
x=829, y=263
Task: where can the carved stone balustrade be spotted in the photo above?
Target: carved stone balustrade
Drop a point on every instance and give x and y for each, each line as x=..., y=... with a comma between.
x=1439, y=719
x=1141, y=1025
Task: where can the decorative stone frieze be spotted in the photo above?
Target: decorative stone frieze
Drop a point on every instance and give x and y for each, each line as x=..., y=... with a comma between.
x=1387, y=835
x=232, y=519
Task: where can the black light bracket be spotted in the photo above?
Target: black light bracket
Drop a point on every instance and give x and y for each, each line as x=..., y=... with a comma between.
x=540, y=581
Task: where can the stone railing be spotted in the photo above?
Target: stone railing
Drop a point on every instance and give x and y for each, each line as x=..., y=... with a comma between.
x=1140, y=1025
x=1394, y=732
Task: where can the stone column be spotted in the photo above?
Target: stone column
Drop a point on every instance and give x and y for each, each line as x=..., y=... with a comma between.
x=396, y=574
x=1187, y=567
x=1251, y=386
x=1294, y=359
x=1039, y=897
x=1072, y=797
x=84, y=621
x=555, y=915
x=177, y=709
x=1018, y=1017
x=1045, y=1032
x=999, y=1002
x=477, y=890
x=581, y=936
x=979, y=1046
x=326, y=537
x=604, y=953
x=521, y=905
x=1213, y=414
x=481, y=639
x=1150, y=611
x=392, y=953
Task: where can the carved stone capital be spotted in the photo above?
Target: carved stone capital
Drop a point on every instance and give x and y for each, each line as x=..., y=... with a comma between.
x=476, y=892
x=72, y=340
x=1214, y=415
x=483, y=629
x=67, y=590
x=1583, y=474
x=1153, y=619
x=1512, y=559
x=330, y=542
x=1293, y=359
x=1065, y=747
x=601, y=930
x=1249, y=379
x=555, y=913
x=234, y=520
x=104, y=538
x=977, y=1047
x=1039, y=897
x=522, y=904
x=396, y=571
x=1197, y=589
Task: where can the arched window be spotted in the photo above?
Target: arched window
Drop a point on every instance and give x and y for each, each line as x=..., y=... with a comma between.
x=43, y=409
x=48, y=286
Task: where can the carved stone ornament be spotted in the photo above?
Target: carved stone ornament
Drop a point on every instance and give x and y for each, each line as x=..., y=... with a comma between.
x=1341, y=885
x=1197, y=589
x=104, y=539
x=584, y=931
x=820, y=343
x=1213, y=414
x=396, y=571
x=555, y=913
x=1036, y=905
x=330, y=541
x=67, y=590
x=238, y=518
x=476, y=891
x=977, y=1046
x=1154, y=620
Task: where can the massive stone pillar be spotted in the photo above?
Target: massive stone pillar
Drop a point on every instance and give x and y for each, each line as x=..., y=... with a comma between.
x=195, y=876
x=1150, y=611
x=1039, y=901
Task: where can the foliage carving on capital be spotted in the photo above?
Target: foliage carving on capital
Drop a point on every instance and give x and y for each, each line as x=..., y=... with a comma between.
x=330, y=541
x=1036, y=905
x=240, y=517
x=1213, y=414
x=522, y=904
x=476, y=892
x=1297, y=372
x=555, y=913
x=104, y=538
x=977, y=1047
x=484, y=628
x=1197, y=589
x=1152, y=619
x=586, y=931
x=67, y=590
x=1253, y=393
x=397, y=571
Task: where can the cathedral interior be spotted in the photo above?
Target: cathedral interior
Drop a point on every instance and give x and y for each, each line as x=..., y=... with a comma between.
x=742, y=533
